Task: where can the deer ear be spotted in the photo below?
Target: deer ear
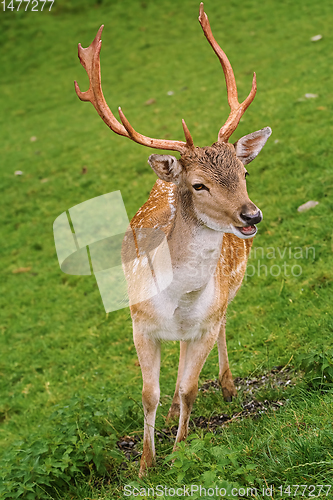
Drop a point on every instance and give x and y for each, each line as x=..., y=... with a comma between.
x=167, y=167
x=249, y=146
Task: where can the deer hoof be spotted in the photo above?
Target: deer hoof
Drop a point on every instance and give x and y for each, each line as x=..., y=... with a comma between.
x=227, y=397
x=144, y=466
x=228, y=387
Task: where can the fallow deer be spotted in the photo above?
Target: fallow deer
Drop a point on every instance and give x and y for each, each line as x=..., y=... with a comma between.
x=201, y=204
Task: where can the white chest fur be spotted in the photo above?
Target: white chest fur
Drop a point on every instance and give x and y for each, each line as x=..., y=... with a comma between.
x=178, y=310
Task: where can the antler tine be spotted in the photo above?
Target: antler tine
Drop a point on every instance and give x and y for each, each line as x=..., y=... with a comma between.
x=89, y=58
x=152, y=143
x=236, y=109
x=188, y=137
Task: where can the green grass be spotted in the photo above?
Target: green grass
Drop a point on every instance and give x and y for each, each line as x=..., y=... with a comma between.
x=70, y=385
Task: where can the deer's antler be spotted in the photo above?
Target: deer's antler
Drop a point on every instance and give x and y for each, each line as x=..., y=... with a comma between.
x=89, y=58
x=236, y=109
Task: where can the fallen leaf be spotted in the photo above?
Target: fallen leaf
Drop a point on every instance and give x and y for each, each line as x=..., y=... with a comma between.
x=150, y=101
x=26, y=389
x=21, y=270
x=316, y=38
x=84, y=170
x=33, y=138
x=18, y=172
x=310, y=96
x=307, y=206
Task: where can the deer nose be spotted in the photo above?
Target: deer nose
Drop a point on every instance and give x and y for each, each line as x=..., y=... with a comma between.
x=252, y=218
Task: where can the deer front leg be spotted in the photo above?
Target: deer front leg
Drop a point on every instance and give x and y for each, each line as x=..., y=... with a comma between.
x=149, y=354
x=195, y=357
x=174, y=410
x=225, y=376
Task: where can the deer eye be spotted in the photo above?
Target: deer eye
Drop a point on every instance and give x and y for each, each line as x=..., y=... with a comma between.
x=200, y=187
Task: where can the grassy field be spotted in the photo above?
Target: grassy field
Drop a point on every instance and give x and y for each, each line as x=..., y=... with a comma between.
x=70, y=384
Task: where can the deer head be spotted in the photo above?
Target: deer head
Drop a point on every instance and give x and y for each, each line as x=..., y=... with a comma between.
x=211, y=180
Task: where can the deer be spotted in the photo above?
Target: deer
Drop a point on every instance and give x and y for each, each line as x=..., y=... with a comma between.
x=201, y=204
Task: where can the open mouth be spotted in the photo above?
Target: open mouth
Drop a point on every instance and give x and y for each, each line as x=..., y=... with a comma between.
x=247, y=230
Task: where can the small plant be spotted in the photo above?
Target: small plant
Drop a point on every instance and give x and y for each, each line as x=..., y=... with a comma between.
x=219, y=466
x=80, y=443
x=318, y=367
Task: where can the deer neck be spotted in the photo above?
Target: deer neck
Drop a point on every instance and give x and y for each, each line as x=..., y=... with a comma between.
x=194, y=248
